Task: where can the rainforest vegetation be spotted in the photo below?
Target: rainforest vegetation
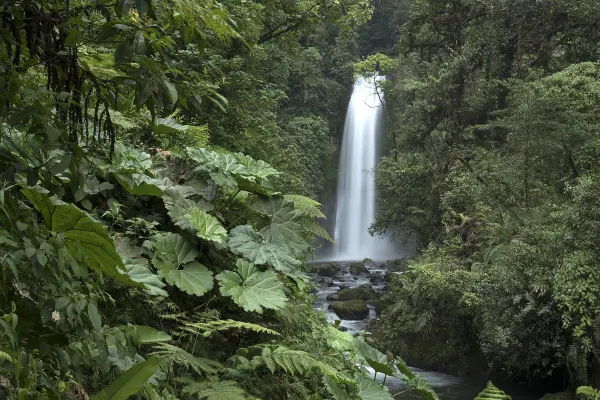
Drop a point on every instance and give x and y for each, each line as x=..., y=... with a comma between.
x=163, y=164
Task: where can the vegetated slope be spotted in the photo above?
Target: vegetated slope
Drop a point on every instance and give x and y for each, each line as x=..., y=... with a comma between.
x=493, y=109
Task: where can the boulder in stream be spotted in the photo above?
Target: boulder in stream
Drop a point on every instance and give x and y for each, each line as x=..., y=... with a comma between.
x=328, y=270
x=350, y=310
x=367, y=262
x=358, y=268
x=357, y=293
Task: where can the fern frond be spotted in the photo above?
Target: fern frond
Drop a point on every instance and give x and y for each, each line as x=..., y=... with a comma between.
x=212, y=389
x=587, y=392
x=295, y=362
x=315, y=228
x=5, y=357
x=307, y=206
x=170, y=354
x=208, y=328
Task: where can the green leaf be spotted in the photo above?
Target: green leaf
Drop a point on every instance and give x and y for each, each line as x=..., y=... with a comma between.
x=139, y=272
x=172, y=250
x=251, y=289
x=142, y=185
x=376, y=359
x=421, y=386
x=245, y=241
x=205, y=225
x=256, y=168
x=129, y=382
x=368, y=389
x=175, y=260
x=85, y=238
x=224, y=163
x=167, y=126
x=193, y=278
x=285, y=230
x=145, y=335
x=94, y=315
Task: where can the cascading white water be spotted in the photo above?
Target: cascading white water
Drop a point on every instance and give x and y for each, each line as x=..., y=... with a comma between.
x=355, y=210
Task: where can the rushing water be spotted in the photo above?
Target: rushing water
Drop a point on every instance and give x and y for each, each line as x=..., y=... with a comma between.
x=355, y=201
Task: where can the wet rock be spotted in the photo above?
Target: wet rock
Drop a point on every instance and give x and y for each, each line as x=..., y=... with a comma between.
x=367, y=262
x=355, y=278
x=327, y=270
x=343, y=286
x=350, y=310
x=377, y=278
x=398, y=265
x=358, y=268
x=333, y=296
x=357, y=293
x=329, y=282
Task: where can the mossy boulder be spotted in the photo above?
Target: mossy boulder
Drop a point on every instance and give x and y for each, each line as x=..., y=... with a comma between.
x=492, y=392
x=367, y=262
x=328, y=270
x=357, y=293
x=377, y=278
x=350, y=310
x=398, y=265
x=358, y=268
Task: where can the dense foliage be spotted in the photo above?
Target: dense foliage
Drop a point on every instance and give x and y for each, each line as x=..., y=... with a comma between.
x=493, y=111
x=141, y=253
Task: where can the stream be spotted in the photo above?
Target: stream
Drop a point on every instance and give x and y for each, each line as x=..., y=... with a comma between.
x=448, y=387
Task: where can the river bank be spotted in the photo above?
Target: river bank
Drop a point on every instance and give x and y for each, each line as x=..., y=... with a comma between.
x=358, y=278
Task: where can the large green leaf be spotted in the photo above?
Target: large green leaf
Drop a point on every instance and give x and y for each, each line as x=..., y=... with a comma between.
x=206, y=226
x=139, y=272
x=285, y=229
x=376, y=359
x=192, y=278
x=415, y=382
x=368, y=389
x=256, y=168
x=421, y=386
x=245, y=241
x=175, y=260
x=142, y=185
x=252, y=289
x=172, y=250
x=224, y=163
x=85, y=238
x=129, y=382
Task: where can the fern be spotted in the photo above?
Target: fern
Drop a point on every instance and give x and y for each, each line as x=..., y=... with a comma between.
x=170, y=354
x=5, y=357
x=307, y=206
x=293, y=362
x=587, y=393
x=492, y=392
x=212, y=389
x=208, y=328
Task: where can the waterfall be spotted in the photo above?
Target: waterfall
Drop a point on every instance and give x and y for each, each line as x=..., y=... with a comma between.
x=355, y=205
